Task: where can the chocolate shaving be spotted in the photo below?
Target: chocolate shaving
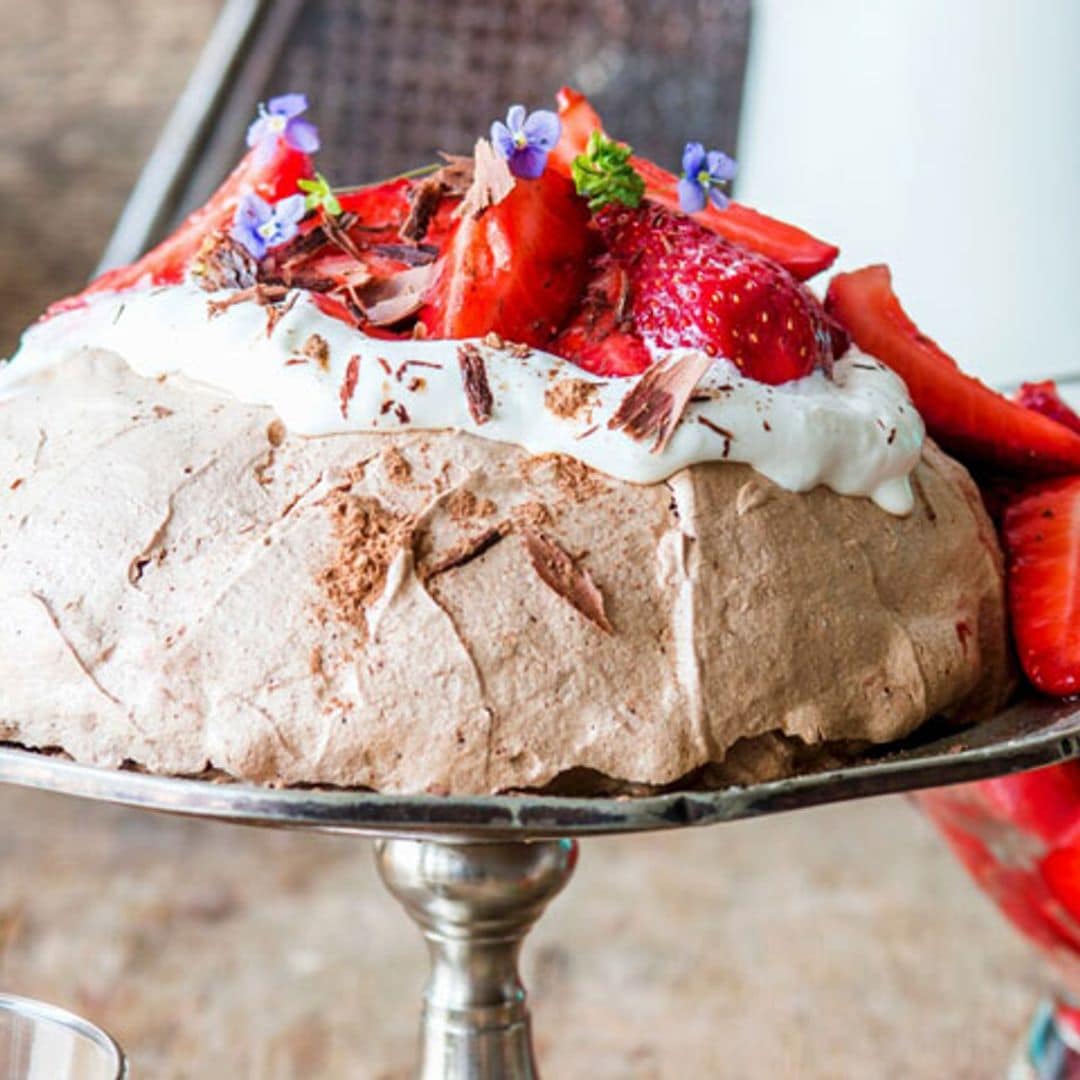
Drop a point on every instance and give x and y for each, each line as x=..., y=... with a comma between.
x=425, y=196
x=420, y=255
x=475, y=382
x=300, y=245
x=402, y=413
x=492, y=181
x=224, y=263
x=389, y=300
x=721, y=431
x=316, y=348
x=654, y=406
x=274, y=312
x=468, y=549
x=336, y=233
x=562, y=575
x=348, y=384
x=456, y=176
x=406, y=364
x=263, y=295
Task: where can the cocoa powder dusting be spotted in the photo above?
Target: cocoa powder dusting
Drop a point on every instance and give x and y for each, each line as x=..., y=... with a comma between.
x=569, y=398
x=368, y=537
x=573, y=478
x=532, y=513
x=464, y=506
x=396, y=466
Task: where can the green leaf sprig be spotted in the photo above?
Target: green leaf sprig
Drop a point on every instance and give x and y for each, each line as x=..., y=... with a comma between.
x=319, y=193
x=603, y=173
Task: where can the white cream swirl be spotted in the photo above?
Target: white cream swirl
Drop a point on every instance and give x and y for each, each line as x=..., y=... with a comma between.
x=857, y=433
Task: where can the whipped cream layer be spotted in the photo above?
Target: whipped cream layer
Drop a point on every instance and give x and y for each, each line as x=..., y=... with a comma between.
x=856, y=433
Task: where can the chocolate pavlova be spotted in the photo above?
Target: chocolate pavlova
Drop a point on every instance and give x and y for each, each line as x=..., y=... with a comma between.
x=542, y=469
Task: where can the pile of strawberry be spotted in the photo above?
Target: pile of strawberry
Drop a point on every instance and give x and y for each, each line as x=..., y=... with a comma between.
x=610, y=285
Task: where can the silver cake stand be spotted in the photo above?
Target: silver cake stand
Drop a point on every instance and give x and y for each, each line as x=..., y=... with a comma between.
x=476, y=872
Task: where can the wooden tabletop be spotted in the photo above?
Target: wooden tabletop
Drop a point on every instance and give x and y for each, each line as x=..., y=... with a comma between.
x=841, y=942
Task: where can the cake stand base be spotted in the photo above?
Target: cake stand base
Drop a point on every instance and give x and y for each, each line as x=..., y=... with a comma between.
x=475, y=872
x=474, y=903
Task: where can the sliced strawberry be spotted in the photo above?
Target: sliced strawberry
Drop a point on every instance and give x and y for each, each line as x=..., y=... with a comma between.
x=599, y=338
x=272, y=178
x=797, y=251
x=382, y=209
x=1060, y=871
x=690, y=287
x=1043, y=397
x=963, y=414
x=1042, y=543
x=517, y=270
x=385, y=204
x=1043, y=802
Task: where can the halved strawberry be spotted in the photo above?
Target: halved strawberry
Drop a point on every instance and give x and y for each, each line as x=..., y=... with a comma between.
x=600, y=338
x=797, y=251
x=1043, y=397
x=517, y=269
x=1041, y=534
x=690, y=287
x=964, y=415
x=273, y=177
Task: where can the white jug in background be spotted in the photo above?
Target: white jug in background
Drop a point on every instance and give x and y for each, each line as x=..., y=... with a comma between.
x=941, y=137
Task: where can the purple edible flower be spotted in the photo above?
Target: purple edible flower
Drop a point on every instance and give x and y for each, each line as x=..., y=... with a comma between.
x=280, y=116
x=702, y=176
x=526, y=141
x=260, y=226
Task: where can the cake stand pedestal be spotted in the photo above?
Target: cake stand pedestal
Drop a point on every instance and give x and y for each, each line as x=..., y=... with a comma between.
x=475, y=902
x=476, y=872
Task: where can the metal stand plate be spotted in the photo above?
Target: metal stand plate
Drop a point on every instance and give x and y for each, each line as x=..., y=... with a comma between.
x=475, y=872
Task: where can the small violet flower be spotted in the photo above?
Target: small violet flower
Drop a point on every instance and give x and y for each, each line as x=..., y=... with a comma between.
x=281, y=117
x=702, y=176
x=260, y=226
x=525, y=141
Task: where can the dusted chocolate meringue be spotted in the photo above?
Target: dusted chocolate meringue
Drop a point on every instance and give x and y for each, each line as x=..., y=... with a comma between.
x=184, y=585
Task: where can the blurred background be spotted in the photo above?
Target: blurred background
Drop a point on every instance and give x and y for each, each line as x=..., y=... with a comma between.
x=838, y=942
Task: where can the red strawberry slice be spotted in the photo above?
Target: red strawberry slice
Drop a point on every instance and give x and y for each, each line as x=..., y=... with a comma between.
x=382, y=209
x=1060, y=871
x=272, y=178
x=690, y=287
x=386, y=204
x=963, y=414
x=797, y=251
x=517, y=270
x=1043, y=397
x=599, y=338
x=1043, y=802
x=1042, y=543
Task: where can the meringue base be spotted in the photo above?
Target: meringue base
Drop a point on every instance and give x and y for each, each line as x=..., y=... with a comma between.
x=185, y=586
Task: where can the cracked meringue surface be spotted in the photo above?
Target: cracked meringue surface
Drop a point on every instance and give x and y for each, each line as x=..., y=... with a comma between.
x=185, y=584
